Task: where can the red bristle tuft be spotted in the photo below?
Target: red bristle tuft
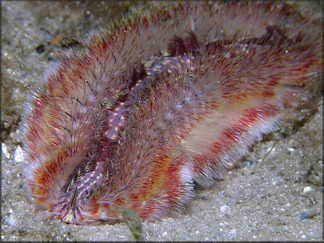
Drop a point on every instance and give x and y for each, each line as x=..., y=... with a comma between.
x=176, y=47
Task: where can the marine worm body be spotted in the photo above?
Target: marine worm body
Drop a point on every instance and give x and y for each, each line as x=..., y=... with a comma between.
x=161, y=100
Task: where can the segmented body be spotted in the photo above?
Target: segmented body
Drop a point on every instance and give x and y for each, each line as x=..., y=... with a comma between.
x=160, y=101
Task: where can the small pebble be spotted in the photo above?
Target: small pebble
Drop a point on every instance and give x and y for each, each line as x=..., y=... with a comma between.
x=307, y=189
x=19, y=154
x=5, y=150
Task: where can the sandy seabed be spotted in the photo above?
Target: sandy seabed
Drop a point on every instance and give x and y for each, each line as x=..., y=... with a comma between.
x=278, y=199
